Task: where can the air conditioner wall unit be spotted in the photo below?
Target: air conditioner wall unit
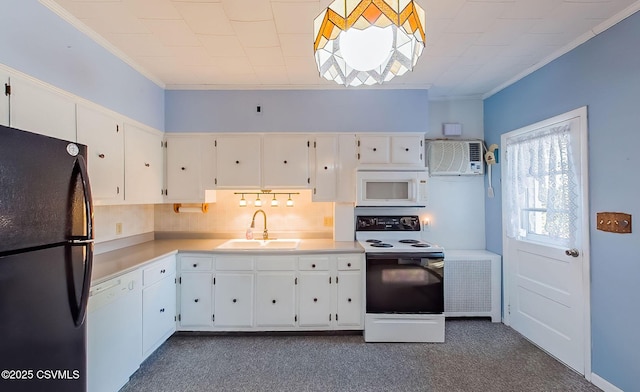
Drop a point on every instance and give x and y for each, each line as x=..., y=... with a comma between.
x=455, y=157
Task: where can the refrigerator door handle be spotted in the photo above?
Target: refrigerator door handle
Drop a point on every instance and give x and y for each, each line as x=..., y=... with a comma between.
x=81, y=308
x=88, y=200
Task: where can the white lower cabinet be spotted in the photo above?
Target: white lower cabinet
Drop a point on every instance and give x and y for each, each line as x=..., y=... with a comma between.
x=234, y=299
x=158, y=304
x=270, y=293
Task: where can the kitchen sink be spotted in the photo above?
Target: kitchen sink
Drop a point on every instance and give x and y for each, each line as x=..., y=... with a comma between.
x=240, y=244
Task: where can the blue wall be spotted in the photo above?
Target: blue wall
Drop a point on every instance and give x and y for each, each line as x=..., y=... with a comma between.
x=341, y=110
x=36, y=41
x=603, y=74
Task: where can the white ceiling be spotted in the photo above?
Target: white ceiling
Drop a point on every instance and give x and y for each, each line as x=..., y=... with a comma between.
x=473, y=47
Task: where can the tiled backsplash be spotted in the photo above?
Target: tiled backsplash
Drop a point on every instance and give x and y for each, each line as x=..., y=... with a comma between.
x=134, y=219
x=226, y=218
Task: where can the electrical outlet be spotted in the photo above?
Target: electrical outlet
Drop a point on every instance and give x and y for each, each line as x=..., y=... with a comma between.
x=328, y=221
x=118, y=228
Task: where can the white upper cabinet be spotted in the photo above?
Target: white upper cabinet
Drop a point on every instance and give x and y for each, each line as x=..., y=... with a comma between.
x=285, y=161
x=238, y=161
x=190, y=168
x=143, y=165
x=407, y=150
x=391, y=151
x=324, y=168
x=104, y=136
x=39, y=109
x=4, y=98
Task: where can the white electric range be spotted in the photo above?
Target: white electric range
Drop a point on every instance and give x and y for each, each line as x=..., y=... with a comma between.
x=404, y=285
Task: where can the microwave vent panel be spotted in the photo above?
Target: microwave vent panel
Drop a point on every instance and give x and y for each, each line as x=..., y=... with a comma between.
x=455, y=158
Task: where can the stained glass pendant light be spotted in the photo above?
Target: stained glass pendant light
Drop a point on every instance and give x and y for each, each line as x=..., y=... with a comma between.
x=368, y=41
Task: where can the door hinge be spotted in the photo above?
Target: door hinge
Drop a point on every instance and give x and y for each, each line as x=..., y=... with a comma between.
x=180, y=280
x=296, y=281
x=329, y=316
x=308, y=144
x=117, y=190
x=179, y=317
x=509, y=308
x=329, y=280
x=117, y=128
x=295, y=318
x=308, y=180
x=314, y=191
x=358, y=156
x=215, y=143
x=7, y=89
x=336, y=316
x=215, y=181
x=213, y=317
x=358, y=143
x=214, y=280
x=420, y=156
x=336, y=280
x=421, y=142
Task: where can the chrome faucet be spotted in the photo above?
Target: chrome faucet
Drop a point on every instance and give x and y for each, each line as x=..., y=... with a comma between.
x=265, y=233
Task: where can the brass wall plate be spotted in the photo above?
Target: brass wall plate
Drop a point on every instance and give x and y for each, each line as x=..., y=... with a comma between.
x=614, y=222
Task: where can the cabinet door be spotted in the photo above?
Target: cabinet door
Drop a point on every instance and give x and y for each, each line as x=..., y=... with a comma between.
x=184, y=169
x=349, y=298
x=104, y=137
x=196, y=299
x=325, y=168
x=286, y=161
x=233, y=299
x=348, y=161
x=314, y=304
x=143, y=166
x=275, y=299
x=407, y=150
x=374, y=149
x=39, y=109
x=4, y=99
x=238, y=161
x=158, y=313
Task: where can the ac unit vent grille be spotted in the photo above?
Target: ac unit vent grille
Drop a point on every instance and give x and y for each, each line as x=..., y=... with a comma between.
x=474, y=151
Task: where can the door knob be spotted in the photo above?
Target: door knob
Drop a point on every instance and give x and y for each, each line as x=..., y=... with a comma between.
x=572, y=252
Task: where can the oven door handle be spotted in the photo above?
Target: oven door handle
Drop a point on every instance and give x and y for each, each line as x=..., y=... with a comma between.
x=404, y=255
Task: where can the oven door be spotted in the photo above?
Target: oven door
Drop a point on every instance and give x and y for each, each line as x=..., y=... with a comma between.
x=405, y=283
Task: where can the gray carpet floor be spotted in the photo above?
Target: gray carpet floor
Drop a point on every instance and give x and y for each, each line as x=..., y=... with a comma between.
x=477, y=356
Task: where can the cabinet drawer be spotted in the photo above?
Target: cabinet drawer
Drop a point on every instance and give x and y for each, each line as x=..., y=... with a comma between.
x=276, y=263
x=349, y=263
x=234, y=263
x=196, y=263
x=159, y=270
x=319, y=263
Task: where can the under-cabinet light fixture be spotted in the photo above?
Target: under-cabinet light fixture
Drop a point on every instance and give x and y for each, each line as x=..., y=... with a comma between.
x=258, y=201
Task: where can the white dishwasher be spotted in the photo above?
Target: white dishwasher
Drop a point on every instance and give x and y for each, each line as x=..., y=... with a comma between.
x=114, y=332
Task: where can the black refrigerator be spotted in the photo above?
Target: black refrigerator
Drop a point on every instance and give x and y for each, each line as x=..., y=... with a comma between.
x=46, y=253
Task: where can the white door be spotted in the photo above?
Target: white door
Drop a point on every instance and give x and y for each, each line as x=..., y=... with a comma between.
x=546, y=236
x=233, y=299
x=196, y=299
x=276, y=299
x=314, y=299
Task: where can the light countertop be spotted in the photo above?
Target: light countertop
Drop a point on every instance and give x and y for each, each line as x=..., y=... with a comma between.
x=111, y=264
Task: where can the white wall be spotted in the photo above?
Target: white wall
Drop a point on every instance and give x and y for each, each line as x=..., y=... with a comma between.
x=455, y=205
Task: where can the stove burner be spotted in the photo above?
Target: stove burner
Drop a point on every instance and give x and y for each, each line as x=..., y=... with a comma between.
x=409, y=241
x=381, y=245
x=374, y=241
x=421, y=245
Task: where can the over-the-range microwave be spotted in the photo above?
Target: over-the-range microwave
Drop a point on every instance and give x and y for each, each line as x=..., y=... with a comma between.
x=391, y=188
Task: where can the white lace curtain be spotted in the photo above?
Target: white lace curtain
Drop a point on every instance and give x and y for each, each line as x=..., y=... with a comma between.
x=543, y=187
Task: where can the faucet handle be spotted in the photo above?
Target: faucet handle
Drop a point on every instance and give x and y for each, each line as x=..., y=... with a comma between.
x=265, y=234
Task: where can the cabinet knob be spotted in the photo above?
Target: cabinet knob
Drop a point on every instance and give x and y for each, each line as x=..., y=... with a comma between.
x=315, y=300
x=162, y=310
x=313, y=266
x=326, y=168
x=234, y=300
x=237, y=162
x=195, y=265
x=406, y=149
x=375, y=149
x=348, y=264
x=183, y=168
x=101, y=156
x=162, y=271
x=196, y=300
x=273, y=302
x=147, y=165
x=285, y=162
x=348, y=299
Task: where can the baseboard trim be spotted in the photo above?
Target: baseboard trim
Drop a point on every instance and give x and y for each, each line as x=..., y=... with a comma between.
x=603, y=384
